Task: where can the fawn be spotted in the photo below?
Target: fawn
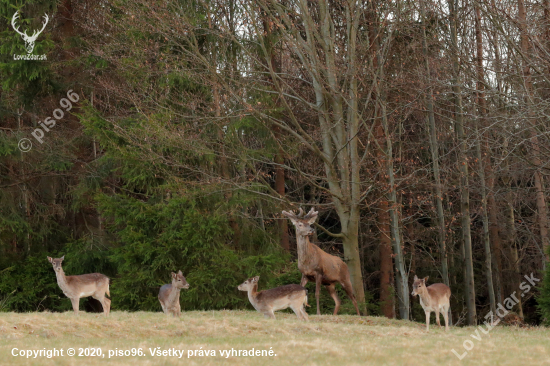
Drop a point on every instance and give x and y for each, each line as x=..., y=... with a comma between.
x=75, y=287
x=435, y=298
x=169, y=294
x=278, y=298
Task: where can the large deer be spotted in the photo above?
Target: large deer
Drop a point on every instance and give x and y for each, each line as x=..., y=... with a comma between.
x=29, y=40
x=75, y=287
x=316, y=265
x=435, y=298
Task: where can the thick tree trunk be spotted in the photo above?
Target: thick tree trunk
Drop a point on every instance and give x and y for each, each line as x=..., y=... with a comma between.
x=352, y=258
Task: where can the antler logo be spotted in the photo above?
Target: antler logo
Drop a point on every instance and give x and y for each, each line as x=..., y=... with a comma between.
x=29, y=40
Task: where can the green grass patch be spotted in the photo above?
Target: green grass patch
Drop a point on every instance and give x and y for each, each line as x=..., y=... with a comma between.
x=324, y=340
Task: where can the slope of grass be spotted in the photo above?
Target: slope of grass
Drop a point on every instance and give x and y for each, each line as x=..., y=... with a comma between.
x=324, y=340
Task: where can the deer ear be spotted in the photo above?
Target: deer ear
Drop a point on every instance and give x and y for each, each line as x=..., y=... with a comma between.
x=50, y=259
x=426, y=279
x=180, y=273
x=256, y=279
x=62, y=258
x=415, y=278
x=173, y=275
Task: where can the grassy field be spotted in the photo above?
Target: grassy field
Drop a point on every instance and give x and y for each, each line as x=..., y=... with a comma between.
x=324, y=340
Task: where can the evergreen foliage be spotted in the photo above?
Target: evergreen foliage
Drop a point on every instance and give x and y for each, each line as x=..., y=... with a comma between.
x=543, y=299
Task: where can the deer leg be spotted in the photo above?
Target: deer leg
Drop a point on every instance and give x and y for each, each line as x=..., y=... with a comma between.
x=76, y=303
x=304, y=313
x=437, y=317
x=349, y=291
x=332, y=291
x=177, y=309
x=427, y=321
x=318, y=278
x=269, y=314
x=446, y=317
x=107, y=306
x=297, y=311
x=304, y=280
x=105, y=302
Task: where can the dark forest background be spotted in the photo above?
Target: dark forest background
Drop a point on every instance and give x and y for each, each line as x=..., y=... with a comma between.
x=420, y=130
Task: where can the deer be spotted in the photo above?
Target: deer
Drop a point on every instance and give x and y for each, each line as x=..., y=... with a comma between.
x=278, y=298
x=318, y=266
x=435, y=298
x=29, y=40
x=76, y=287
x=169, y=294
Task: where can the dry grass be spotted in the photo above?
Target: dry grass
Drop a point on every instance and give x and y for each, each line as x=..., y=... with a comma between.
x=324, y=340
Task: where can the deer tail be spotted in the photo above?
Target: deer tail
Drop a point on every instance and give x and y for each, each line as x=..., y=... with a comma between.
x=107, y=292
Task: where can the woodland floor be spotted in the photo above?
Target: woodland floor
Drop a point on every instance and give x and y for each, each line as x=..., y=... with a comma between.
x=324, y=340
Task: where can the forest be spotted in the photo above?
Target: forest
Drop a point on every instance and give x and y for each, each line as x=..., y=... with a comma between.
x=145, y=137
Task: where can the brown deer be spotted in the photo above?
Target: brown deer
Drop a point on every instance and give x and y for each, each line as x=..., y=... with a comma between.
x=435, y=298
x=75, y=287
x=169, y=294
x=278, y=298
x=316, y=265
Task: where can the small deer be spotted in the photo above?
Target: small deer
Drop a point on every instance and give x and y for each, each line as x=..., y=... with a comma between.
x=435, y=298
x=75, y=287
x=278, y=298
x=169, y=294
x=316, y=265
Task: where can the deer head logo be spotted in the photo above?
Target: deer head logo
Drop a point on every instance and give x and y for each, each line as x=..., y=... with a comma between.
x=29, y=40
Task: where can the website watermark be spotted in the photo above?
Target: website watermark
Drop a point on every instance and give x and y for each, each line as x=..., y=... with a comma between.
x=501, y=311
x=25, y=144
x=29, y=40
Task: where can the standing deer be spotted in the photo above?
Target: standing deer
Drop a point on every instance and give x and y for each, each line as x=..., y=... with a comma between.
x=316, y=265
x=435, y=298
x=169, y=294
x=75, y=287
x=278, y=298
x=29, y=40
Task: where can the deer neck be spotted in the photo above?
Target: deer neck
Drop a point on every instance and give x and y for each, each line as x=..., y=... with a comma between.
x=304, y=246
x=252, y=294
x=425, y=297
x=174, y=294
x=62, y=280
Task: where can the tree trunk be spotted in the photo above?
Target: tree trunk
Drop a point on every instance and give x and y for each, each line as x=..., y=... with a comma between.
x=438, y=199
x=542, y=215
x=275, y=69
x=463, y=167
x=481, y=120
x=351, y=257
x=387, y=300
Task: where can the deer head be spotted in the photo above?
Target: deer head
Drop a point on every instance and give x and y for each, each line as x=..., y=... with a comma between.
x=178, y=280
x=29, y=40
x=419, y=285
x=301, y=222
x=56, y=263
x=249, y=284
